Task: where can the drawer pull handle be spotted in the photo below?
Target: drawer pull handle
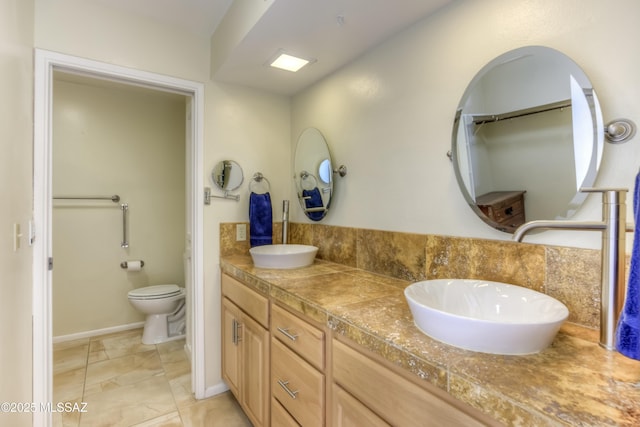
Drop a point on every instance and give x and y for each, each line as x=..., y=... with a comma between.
x=290, y=392
x=285, y=332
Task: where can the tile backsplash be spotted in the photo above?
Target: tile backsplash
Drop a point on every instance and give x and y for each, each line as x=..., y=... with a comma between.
x=571, y=275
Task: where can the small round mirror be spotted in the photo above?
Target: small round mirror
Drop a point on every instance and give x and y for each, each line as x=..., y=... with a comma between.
x=313, y=175
x=227, y=175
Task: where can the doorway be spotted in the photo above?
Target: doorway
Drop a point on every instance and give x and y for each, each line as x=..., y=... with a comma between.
x=46, y=63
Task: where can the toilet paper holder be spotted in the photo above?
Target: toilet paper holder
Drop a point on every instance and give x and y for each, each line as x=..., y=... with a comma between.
x=125, y=264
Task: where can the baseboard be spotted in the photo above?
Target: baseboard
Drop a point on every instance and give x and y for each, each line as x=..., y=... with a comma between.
x=88, y=334
x=218, y=388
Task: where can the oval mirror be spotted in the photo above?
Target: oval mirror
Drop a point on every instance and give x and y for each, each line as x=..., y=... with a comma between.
x=227, y=175
x=313, y=174
x=527, y=135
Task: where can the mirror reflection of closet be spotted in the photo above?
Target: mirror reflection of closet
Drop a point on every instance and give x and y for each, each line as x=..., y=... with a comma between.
x=528, y=134
x=227, y=175
x=313, y=174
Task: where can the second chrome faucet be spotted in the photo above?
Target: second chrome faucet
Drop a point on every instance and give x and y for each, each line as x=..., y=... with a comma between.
x=613, y=227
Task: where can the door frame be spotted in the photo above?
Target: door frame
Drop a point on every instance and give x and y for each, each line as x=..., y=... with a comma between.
x=40, y=234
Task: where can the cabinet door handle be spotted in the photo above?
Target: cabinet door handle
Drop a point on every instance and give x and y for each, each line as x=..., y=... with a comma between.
x=284, y=385
x=238, y=335
x=285, y=332
x=235, y=333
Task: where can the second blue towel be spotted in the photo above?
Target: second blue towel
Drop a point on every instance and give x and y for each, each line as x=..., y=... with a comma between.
x=628, y=332
x=313, y=199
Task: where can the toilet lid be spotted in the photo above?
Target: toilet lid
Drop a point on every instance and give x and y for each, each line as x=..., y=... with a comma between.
x=157, y=291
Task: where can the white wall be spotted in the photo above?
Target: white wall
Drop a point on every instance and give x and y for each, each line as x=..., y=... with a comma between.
x=244, y=125
x=16, y=134
x=388, y=115
x=114, y=139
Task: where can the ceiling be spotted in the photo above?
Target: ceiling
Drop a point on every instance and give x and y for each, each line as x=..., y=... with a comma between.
x=333, y=32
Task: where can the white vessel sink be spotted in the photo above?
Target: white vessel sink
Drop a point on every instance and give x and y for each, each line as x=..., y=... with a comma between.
x=484, y=316
x=283, y=256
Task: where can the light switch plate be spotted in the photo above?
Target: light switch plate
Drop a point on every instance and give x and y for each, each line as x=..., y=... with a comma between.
x=241, y=232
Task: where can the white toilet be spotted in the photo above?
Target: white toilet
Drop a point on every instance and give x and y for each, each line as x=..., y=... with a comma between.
x=164, y=306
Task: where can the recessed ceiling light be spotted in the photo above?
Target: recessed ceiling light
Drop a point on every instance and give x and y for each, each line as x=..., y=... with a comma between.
x=288, y=62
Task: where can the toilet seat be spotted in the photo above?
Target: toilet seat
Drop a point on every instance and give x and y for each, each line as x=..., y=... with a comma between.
x=155, y=292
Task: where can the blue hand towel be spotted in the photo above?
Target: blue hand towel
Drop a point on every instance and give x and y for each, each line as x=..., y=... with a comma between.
x=628, y=332
x=313, y=199
x=260, y=221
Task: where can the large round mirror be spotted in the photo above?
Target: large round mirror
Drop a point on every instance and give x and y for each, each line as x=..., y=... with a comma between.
x=527, y=135
x=313, y=174
x=227, y=175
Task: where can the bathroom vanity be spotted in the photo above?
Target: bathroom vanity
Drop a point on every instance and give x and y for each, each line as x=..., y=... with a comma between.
x=316, y=376
x=340, y=347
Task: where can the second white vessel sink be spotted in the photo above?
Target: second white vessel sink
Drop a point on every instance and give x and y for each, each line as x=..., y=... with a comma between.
x=283, y=256
x=485, y=316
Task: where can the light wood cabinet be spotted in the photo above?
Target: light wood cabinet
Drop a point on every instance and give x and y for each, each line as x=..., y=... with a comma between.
x=231, y=316
x=245, y=349
x=297, y=367
x=349, y=412
x=392, y=397
x=304, y=339
x=280, y=417
x=286, y=370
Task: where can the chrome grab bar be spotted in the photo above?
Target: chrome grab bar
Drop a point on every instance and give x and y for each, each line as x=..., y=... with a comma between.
x=115, y=198
x=125, y=209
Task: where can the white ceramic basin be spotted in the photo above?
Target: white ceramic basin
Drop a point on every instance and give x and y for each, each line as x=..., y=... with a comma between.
x=283, y=256
x=484, y=316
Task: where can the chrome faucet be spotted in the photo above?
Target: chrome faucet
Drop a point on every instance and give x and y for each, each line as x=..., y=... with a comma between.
x=613, y=227
x=285, y=221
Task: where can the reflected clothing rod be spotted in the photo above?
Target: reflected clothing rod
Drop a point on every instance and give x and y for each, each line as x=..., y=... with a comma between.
x=479, y=120
x=115, y=198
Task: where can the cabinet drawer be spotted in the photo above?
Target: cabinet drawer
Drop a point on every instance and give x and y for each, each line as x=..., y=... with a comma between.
x=399, y=400
x=280, y=417
x=510, y=211
x=349, y=412
x=304, y=339
x=297, y=385
x=251, y=302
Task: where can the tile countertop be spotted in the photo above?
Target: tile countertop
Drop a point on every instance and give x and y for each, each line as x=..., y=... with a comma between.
x=572, y=382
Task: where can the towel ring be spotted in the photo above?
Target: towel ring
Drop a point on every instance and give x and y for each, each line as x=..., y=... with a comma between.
x=259, y=184
x=308, y=181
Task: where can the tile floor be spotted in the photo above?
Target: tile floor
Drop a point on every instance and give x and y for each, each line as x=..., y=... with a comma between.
x=127, y=383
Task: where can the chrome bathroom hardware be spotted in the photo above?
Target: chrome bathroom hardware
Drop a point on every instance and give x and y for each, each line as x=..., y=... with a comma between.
x=286, y=333
x=619, y=131
x=115, y=198
x=125, y=265
x=259, y=180
x=125, y=209
x=613, y=227
x=226, y=195
x=341, y=170
x=308, y=181
x=285, y=385
x=285, y=222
